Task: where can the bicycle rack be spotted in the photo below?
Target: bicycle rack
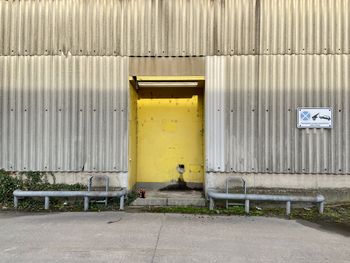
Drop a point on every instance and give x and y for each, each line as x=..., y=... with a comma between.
x=235, y=179
x=106, y=178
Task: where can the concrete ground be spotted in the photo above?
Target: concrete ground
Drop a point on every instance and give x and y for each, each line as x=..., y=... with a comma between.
x=143, y=237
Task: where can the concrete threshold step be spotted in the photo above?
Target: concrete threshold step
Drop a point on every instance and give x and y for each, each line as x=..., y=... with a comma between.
x=170, y=201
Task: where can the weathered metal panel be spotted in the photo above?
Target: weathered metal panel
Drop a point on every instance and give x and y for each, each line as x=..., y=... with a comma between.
x=63, y=113
x=174, y=28
x=305, y=27
x=231, y=99
x=165, y=66
x=215, y=89
x=128, y=27
x=251, y=104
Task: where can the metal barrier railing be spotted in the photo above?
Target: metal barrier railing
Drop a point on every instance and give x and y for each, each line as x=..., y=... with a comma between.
x=85, y=194
x=319, y=199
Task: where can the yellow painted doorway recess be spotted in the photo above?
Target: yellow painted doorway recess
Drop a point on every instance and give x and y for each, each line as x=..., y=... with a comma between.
x=169, y=130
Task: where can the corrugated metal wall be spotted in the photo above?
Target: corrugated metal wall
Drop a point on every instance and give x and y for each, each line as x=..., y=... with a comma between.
x=251, y=106
x=64, y=90
x=63, y=113
x=174, y=28
x=305, y=27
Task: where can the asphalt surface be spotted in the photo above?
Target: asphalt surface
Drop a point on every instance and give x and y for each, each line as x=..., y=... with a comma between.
x=145, y=237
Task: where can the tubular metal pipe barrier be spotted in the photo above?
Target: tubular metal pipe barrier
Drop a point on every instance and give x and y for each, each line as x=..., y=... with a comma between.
x=85, y=194
x=319, y=199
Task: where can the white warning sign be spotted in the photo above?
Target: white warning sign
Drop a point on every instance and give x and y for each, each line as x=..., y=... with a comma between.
x=315, y=118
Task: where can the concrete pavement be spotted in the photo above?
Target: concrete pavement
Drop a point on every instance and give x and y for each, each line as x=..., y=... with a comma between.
x=145, y=237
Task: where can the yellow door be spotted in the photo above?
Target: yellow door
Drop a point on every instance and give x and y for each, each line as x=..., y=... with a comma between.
x=169, y=133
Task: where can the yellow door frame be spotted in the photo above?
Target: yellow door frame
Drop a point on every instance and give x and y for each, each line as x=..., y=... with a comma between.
x=133, y=120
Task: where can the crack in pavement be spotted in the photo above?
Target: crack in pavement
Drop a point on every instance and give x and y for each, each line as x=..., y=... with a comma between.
x=159, y=231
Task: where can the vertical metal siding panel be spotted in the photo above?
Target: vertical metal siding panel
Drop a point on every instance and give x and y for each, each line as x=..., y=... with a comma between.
x=173, y=28
x=305, y=27
x=2, y=26
x=268, y=140
x=54, y=151
x=23, y=114
x=106, y=109
x=124, y=86
x=344, y=79
x=231, y=101
x=46, y=120
x=340, y=122
x=47, y=25
x=290, y=83
x=319, y=82
x=131, y=27
x=53, y=41
x=13, y=26
x=5, y=110
x=34, y=28
x=5, y=25
x=263, y=120
x=7, y=113
x=215, y=131
x=238, y=112
x=63, y=113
